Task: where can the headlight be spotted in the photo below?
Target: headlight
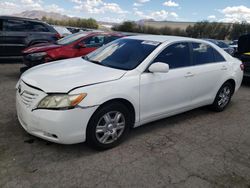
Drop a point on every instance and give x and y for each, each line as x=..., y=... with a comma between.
x=61, y=101
x=39, y=54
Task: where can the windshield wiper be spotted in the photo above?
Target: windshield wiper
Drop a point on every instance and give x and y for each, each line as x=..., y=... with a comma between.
x=96, y=62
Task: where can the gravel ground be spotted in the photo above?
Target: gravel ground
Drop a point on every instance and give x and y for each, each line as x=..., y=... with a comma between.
x=199, y=148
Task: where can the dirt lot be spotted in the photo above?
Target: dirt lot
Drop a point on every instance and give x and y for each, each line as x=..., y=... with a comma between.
x=199, y=148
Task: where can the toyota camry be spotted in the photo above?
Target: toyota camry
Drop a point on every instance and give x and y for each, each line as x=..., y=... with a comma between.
x=124, y=84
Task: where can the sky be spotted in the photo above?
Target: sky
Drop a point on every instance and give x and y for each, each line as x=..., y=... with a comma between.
x=122, y=10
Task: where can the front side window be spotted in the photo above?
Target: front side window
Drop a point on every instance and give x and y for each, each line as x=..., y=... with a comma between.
x=125, y=54
x=176, y=55
x=94, y=41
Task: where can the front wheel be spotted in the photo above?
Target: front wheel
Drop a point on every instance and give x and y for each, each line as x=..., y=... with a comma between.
x=108, y=126
x=223, y=97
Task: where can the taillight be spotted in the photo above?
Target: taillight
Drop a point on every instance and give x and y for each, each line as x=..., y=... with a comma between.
x=242, y=67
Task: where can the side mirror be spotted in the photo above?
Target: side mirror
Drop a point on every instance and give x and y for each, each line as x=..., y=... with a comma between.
x=80, y=45
x=159, y=67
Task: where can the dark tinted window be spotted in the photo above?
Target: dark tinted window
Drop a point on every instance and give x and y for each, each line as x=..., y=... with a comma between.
x=123, y=54
x=1, y=25
x=177, y=55
x=14, y=25
x=218, y=57
x=202, y=53
x=95, y=41
x=37, y=27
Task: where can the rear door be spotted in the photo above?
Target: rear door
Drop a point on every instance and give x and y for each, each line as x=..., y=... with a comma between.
x=208, y=70
x=15, y=35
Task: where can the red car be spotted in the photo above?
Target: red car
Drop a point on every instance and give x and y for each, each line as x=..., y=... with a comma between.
x=75, y=45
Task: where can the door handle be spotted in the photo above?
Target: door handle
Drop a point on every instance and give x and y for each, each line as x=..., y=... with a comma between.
x=189, y=74
x=223, y=68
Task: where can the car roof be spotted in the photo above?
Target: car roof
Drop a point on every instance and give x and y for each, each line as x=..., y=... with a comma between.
x=163, y=38
x=20, y=18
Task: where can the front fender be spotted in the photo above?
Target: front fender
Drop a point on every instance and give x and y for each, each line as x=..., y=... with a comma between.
x=125, y=88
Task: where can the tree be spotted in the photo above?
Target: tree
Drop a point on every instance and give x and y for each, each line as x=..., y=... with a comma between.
x=85, y=23
x=239, y=29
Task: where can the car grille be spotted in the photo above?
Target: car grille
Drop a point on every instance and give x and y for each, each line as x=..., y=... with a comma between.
x=28, y=98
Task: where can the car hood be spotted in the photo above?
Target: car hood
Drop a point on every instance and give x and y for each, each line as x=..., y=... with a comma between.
x=65, y=75
x=40, y=48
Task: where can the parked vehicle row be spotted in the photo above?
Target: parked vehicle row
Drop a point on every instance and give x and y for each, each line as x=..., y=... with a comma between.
x=112, y=83
x=126, y=83
x=75, y=45
x=63, y=31
x=230, y=50
x=18, y=33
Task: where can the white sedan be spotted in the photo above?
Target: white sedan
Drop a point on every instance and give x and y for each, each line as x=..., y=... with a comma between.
x=127, y=83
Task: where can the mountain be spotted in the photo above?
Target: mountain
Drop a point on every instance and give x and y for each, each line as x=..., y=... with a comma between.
x=38, y=14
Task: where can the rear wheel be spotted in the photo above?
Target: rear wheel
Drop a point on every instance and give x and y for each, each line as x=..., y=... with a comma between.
x=108, y=126
x=223, y=97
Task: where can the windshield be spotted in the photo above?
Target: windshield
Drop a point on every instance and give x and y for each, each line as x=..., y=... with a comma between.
x=125, y=54
x=71, y=38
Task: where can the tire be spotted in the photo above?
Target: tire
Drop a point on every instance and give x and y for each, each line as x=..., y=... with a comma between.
x=108, y=126
x=223, y=97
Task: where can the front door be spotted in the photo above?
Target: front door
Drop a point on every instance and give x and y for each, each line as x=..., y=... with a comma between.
x=167, y=93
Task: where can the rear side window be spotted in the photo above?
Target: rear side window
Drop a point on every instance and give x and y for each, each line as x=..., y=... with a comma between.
x=36, y=27
x=176, y=55
x=218, y=57
x=14, y=25
x=204, y=54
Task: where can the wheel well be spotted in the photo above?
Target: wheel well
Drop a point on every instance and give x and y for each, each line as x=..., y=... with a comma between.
x=232, y=82
x=125, y=102
x=37, y=42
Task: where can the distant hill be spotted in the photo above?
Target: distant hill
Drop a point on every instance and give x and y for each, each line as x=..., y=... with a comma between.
x=38, y=14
